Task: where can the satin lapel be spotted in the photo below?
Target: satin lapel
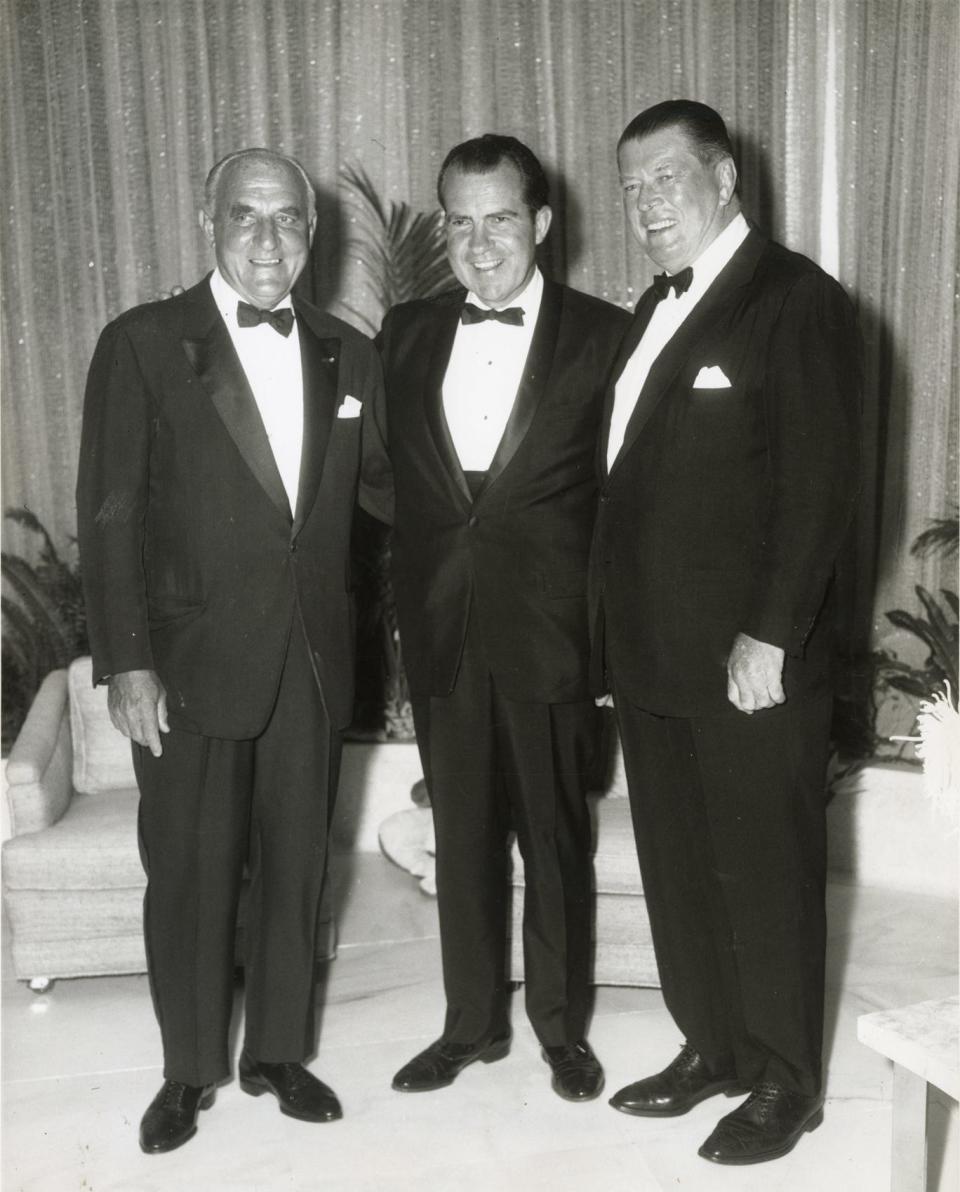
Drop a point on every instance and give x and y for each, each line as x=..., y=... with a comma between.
x=641, y=317
x=702, y=319
x=320, y=362
x=444, y=326
x=213, y=358
x=532, y=383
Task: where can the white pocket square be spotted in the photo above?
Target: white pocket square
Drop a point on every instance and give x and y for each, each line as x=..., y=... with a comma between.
x=711, y=377
x=349, y=408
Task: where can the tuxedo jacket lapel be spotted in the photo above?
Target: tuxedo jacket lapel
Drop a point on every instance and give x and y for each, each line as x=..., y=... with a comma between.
x=532, y=383
x=444, y=327
x=641, y=317
x=212, y=357
x=530, y=391
x=699, y=323
x=320, y=362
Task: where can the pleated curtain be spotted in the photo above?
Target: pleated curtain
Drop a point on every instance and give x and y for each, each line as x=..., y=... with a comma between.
x=844, y=113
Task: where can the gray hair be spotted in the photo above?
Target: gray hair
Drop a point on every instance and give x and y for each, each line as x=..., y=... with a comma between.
x=211, y=187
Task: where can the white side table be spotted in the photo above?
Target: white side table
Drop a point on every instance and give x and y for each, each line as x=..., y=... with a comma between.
x=922, y=1041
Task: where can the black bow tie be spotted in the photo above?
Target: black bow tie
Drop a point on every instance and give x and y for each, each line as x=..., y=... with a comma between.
x=280, y=320
x=479, y=314
x=663, y=283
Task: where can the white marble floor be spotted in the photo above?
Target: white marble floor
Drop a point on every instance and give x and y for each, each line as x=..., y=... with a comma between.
x=81, y=1063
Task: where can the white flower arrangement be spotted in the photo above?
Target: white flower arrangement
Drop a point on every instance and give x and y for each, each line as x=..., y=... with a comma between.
x=938, y=747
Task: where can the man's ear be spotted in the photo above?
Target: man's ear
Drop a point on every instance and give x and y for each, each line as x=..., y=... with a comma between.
x=206, y=226
x=541, y=223
x=726, y=173
x=311, y=229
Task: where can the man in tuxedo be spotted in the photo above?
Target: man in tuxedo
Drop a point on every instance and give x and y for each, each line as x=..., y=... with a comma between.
x=728, y=463
x=224, y=432
x=494, y=394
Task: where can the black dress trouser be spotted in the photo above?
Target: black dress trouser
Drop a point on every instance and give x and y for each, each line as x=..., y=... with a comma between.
x=729, y=818
x=493, y=765
x=208, y=808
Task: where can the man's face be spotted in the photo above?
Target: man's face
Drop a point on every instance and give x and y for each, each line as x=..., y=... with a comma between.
x=675, y=204
x=261, y=230
x=492, y=235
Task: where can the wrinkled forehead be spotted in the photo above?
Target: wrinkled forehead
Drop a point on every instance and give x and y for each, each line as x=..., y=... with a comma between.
x=259, y=178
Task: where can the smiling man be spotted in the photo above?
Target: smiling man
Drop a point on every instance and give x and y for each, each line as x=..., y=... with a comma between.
x=728, y=476
x=224, y=436
x=494, y=394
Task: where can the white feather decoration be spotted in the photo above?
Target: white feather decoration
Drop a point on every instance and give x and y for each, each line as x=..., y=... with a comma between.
x=939, y=748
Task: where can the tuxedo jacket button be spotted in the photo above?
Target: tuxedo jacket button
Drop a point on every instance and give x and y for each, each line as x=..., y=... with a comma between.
x=473, y=520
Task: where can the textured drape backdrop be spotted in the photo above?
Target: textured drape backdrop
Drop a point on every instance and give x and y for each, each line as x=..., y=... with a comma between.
x=844, y=111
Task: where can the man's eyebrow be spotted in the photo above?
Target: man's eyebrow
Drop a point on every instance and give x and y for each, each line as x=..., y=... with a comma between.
x=486, y=214
x=247, y=209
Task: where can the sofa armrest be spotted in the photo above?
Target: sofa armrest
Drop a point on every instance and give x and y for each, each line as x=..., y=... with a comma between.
x=40, y=765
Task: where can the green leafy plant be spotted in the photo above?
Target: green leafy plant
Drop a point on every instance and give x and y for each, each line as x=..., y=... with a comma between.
x=44, y=622
x=401, y=251
x=935, y=625
x=871, y=682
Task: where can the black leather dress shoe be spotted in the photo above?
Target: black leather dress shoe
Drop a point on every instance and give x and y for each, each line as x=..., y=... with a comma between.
x=577, y=1074
x=682, y=1084
x=767, y=1125
x=299, y=1092
x=442, y=1062
x=171, y=1117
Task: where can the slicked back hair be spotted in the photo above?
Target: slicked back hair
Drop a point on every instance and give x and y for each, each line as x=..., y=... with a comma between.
x=704, y=128
x=211, y=187
x=483, y=154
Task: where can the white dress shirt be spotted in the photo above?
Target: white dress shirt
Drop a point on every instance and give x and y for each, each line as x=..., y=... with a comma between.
x=667, y=316
x=483, y=375
x=272, y=365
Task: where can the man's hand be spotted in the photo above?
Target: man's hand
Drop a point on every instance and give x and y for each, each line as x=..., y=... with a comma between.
x=754, y=674
x=173, y=292
x=138, y=707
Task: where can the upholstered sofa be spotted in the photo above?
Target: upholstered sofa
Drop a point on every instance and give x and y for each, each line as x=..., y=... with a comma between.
x=72, y=879
x=73, y=882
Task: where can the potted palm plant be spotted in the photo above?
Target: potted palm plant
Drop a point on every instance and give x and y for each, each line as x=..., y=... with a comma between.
x=881, y=825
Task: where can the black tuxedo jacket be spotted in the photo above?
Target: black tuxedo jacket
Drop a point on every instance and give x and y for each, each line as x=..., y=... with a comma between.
x=193, y=562
x=517, y=555
x=726, y=507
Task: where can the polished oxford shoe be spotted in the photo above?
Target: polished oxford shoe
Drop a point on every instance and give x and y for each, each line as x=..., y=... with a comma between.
x=767, y=1125
x=442, y=1062
x=577, y=1074
x=682, y=1084
x=299, y=1092
x=171, y=1118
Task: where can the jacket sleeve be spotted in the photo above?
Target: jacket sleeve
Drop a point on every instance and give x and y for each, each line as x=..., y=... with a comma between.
x=112, y=494
x=812, y=409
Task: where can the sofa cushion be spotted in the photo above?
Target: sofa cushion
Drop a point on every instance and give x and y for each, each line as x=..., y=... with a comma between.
x=102, y=760
x=93, y=847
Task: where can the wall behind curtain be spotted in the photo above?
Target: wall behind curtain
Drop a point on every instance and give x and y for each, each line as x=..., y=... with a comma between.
x=113, y=110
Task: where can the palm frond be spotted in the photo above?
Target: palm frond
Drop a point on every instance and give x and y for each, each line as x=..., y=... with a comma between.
x=401, y=251
x=941, y=537
x=44, y=621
